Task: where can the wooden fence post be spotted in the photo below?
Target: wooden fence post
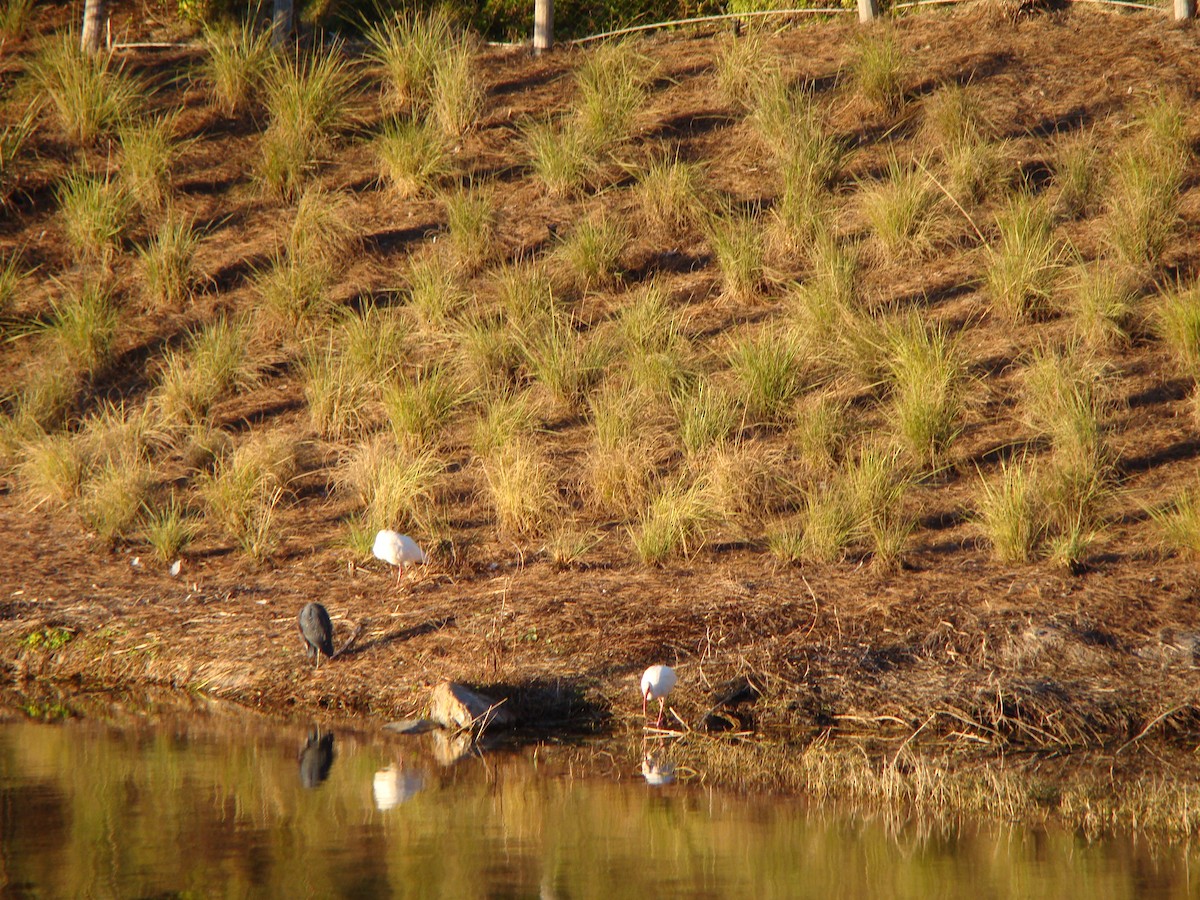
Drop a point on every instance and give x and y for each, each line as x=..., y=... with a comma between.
x=543, y=25
x=282, y=22
x=95, y=14
x=868, y=10
x=1185, y=9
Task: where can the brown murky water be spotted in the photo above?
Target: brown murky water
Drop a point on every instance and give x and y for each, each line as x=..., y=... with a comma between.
x=207, y=805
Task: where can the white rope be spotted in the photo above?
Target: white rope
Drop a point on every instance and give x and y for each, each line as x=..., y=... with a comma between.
x=717, y=18
x=911, y=4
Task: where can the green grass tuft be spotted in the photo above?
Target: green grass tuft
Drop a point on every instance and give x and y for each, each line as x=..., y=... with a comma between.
x=89, y=95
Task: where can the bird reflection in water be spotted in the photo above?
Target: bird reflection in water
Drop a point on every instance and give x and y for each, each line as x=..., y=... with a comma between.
x=394, y=784
x=316, y=758
x=657, y=772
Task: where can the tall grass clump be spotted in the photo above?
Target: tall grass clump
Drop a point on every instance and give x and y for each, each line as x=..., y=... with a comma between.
x=294, y=290
x=520, y=488
x=741, y=65
x=307, y=100
x=95, y=213
x=1102, y=303
x=339, y=394
x=1177, y=323
x=1076, y=173
x=1063, y=401
x=800, y=218
x=824, y=303
x=926, y=381
x=1009, y=512
x=244, y=489
x=236, y=65
x=707, y=414
x=564, y=361
x=12, y=277
x=526, y=294
x=13, y=138
x=1024, y=260
x=406, y=50
x=737, y=243
x=790, y=125
x=50, y=468
x=559, y=156
x=876, y=483
x=89, y=94
x=14, y=19
x=414, y=157
x=678, y=521
x=168, y=528
x=393, y=487
x=471, y=218
x=82, y=328
x=213, y=362
x=648, y=339
x=148, y=149
x=293, y=293
x=878, y=71
x=745, y=482
x=457, y=98
x=113, y=497
x=1143, y=205
x=861, y=502
x=591, y=252
x=435, y=295
x=168, y=261
x=672, y=193
x=904, y=211
x=768, y=370
x=611, y=83
x=503, y=419
x=321, y=229
x=622, y=458
x=820, y=433
x=487, y=354
x=419, y=408
x=956, y=124
x=44, y=402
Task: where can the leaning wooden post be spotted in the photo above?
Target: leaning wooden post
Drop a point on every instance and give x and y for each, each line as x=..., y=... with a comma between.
x=1185, y=9
x=543, y=25
x=868, y=10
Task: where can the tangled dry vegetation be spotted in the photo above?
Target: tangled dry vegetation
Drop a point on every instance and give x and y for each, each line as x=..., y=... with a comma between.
x=908, y=300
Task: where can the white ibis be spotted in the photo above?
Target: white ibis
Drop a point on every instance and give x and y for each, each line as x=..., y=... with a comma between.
x=393, y=785
x=398, y=550
x=657, y=682
x=317, y=631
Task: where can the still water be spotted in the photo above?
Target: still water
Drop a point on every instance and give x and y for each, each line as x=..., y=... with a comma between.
x=206, y=803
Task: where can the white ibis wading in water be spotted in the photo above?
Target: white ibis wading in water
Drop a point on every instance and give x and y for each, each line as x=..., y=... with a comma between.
x=657, y=682
x=398, y=550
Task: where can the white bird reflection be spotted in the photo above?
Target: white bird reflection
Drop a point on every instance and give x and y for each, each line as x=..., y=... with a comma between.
x=657, y=772
x=393, y=785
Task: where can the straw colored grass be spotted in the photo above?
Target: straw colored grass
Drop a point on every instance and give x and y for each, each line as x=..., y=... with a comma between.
x=238, y=60
x=519, y=486
x=96, y=215
x=676, y=522
x=89, y=95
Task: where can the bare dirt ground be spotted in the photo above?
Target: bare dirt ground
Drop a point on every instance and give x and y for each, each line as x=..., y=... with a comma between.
x=987, y=658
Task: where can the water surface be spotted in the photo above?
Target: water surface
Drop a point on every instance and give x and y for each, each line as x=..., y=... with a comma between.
x=206, y=804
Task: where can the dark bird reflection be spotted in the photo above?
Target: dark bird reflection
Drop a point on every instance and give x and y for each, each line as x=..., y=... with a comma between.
x=316, y=758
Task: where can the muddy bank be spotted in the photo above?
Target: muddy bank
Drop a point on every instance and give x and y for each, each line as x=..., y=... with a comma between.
x=981, y=664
